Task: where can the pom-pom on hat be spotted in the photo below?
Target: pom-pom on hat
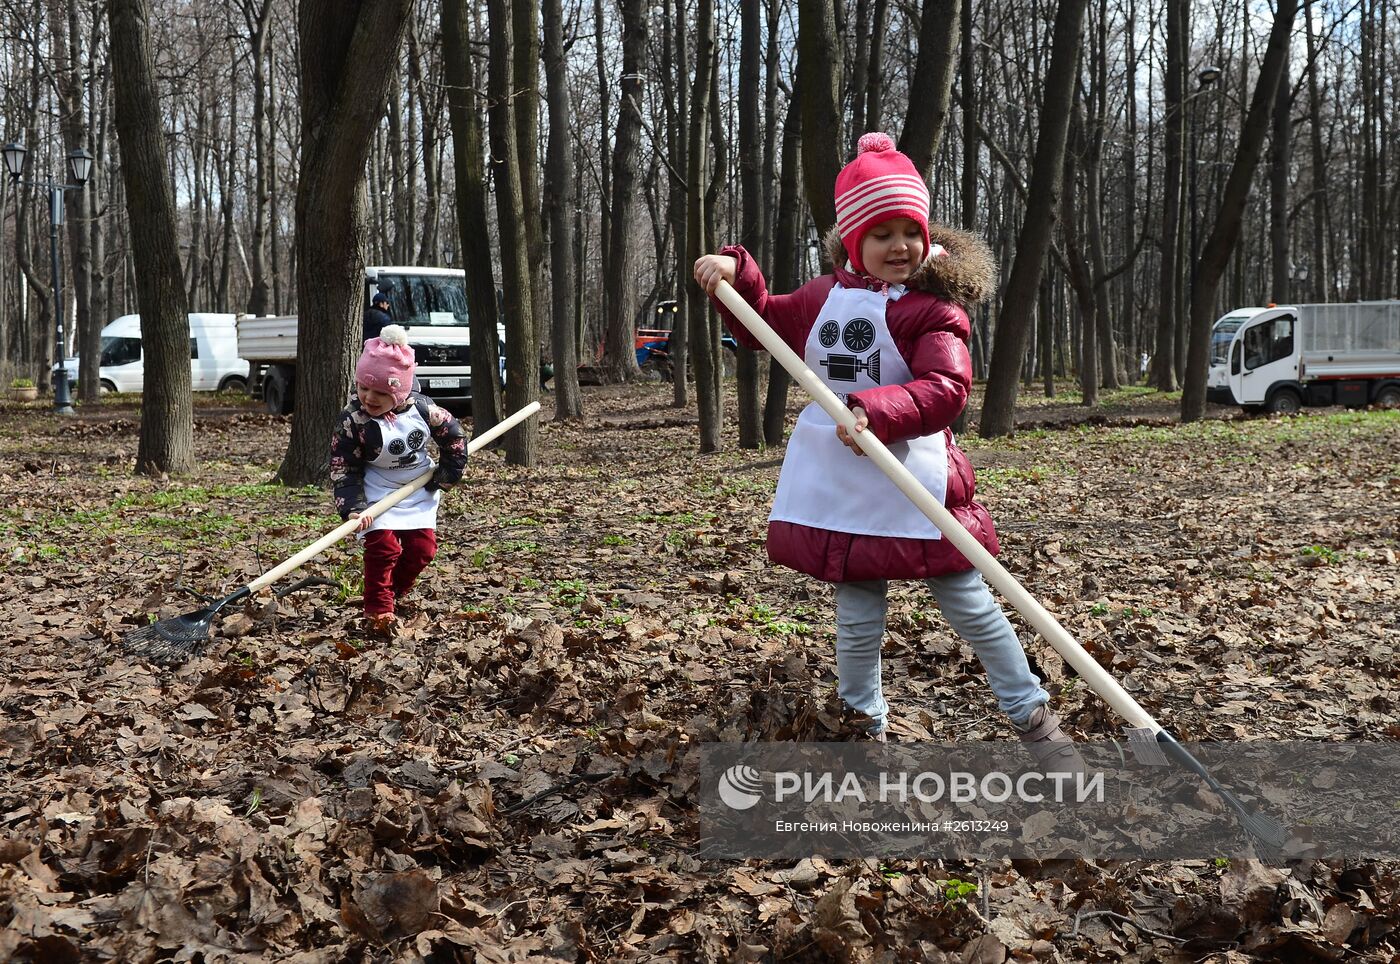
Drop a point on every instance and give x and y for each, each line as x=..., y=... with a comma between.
x=880, y=184
x=387, y=364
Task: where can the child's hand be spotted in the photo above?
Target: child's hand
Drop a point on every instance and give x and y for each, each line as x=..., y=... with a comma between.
x=365, y=521
x=711, y=269
x=847, y=439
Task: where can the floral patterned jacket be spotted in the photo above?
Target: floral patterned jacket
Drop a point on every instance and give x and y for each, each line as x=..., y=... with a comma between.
x=357, y=441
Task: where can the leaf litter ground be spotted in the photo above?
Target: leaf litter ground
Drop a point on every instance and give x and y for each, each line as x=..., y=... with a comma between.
x=507, y=779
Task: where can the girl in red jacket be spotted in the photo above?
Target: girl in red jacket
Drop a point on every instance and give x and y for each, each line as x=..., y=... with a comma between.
x=888, y=333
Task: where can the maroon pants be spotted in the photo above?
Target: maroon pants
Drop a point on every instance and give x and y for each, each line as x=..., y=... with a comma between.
x=393, y=560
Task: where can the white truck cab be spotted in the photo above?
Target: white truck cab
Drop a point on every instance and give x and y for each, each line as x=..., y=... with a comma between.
x=214, y=362
x=1284, y=357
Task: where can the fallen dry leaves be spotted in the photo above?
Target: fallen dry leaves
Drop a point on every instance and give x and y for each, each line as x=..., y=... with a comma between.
x=509, y=780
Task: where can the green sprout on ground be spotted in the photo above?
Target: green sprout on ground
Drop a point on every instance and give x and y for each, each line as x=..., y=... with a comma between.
x=569, y=592
x=616, y=540
x=957, y=891
x=1319, y=555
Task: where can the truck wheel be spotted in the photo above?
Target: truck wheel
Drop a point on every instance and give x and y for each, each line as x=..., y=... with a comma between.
x=1286, y=401
x=1388, y=397
x=105, y=387
x=277, y=393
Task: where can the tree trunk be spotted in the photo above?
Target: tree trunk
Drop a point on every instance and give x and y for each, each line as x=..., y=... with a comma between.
x=752, y=226
x=67, y=56
x=525, y=74
x=860, y=73
x=677, y=117
x=1226, y=230
x=605, y=129
x=619, y=284
x=786, y=245
x=257, y=14
x=474, y=233
x=1279, y=157
x=1322, y=272
x=702, y=319
x=522, y=346
x=933, y=79
x=819, y=71
x=1162, y=374
x=1009, y=344
x=1079, y=274
x=561, y=197
x=347, y=51
x=875, y=88
x=429, y=97
x=167, y=411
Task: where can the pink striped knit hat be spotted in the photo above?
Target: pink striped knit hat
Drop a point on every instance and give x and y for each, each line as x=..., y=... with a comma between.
x=880, y=184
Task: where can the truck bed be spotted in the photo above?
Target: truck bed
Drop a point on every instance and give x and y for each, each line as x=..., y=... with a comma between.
x=268, y=338
x=1350, y=340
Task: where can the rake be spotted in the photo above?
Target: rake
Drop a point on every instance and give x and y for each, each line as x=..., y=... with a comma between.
x=1269, y=834
x=173, y=640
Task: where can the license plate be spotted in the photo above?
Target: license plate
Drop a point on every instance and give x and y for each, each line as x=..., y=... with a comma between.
x=444, y=383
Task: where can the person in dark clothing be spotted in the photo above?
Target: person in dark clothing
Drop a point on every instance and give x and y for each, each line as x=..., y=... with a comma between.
x=377, y=315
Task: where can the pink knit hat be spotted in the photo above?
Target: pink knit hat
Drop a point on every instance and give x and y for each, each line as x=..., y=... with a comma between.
x=387, y=364
x=880, y=184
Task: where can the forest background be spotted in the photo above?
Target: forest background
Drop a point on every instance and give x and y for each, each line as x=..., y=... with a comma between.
x=1121, y=158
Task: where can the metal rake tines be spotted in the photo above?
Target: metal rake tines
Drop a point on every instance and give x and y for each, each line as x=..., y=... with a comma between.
x=170, y=641
x=1269, y=834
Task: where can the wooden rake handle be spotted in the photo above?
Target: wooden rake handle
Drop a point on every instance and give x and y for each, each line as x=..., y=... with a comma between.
x=388, y=502
x=995, y=573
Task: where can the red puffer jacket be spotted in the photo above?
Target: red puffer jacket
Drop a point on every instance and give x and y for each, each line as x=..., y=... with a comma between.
x=930, y=328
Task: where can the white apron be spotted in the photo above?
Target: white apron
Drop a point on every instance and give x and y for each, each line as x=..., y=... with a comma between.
x=402, y=458
x=824, y=484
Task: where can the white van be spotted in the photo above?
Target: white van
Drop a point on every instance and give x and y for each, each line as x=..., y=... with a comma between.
x=214, y=362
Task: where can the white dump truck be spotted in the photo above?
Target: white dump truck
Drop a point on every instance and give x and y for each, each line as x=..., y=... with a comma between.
x=1281, y=358
x=431, y=303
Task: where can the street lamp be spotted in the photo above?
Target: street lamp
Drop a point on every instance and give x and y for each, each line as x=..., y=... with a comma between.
x=446, y=256
x=79, y=167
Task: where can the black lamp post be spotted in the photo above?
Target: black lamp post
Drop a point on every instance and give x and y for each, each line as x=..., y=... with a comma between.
x=447, y=256
x=79, y=167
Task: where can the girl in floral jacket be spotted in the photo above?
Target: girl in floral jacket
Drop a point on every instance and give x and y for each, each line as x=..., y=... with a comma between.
x=887, y=331
x=380, y=444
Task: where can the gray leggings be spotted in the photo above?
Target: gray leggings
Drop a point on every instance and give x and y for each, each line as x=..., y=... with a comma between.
x=968, y=606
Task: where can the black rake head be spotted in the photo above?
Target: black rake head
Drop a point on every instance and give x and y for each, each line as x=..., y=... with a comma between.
x=171, y=641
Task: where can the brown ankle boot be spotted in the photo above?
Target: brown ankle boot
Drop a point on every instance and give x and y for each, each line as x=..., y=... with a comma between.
x=1052, y=748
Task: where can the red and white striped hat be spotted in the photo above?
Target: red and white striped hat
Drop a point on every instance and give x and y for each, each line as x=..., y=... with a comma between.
x=880, y=184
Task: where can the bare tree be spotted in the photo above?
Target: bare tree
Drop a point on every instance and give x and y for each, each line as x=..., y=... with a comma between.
x=257, y=17
x=348, y=49
x=819, y=70
x=561, y=197
x=470, y=179
x=619, y=355
x=1009, y=345
x=1163, y=372
x=522, y=360
x=933, y=79
x=1226, y=229
x=703, y=323
x=752, y=225
x=167, y=412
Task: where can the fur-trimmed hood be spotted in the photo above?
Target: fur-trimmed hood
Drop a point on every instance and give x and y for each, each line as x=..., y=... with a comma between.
x=965, y=273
